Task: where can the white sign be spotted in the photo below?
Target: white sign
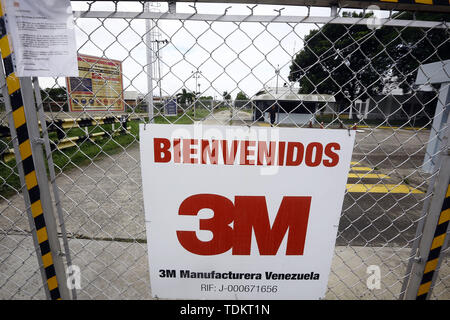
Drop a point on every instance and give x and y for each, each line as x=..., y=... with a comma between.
x=242, y=213
x=43, y=37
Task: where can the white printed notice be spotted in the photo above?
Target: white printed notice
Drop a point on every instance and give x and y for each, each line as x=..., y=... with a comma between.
x=43, y=37
x=242, y=213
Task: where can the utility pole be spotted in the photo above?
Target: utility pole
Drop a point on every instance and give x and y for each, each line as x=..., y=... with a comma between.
x=149, y=55
x=158, y=59
x=150, y=26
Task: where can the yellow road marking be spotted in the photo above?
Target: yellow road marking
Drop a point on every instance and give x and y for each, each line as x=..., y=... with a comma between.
x=424, y=1
x=381, y=188
x=392, y=128
x=368, y=176
x=361, y=169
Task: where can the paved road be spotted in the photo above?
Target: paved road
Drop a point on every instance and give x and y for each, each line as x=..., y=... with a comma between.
x=226, y=117
x=104, y=199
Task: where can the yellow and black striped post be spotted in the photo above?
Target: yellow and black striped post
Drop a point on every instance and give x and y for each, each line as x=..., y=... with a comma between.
x=435, y=249
x=24, y=159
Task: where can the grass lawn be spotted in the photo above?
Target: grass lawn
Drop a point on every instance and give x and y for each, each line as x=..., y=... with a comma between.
x=88, y=151
x=68, y=158
x=184, y=118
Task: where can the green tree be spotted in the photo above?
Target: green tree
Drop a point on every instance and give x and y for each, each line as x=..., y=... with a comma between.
x=58, y=94
x=343, y=60
x=54, y=99
x=241, y=96
x=185, y=97
x=352, y=61
x=412, y=47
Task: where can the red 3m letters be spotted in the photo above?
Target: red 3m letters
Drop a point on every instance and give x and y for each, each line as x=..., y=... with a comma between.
x=248, y=213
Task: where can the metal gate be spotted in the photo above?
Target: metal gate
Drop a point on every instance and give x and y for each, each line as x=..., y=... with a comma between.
x=370, y=71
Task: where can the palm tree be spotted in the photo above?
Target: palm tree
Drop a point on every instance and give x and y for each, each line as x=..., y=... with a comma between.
x=185, y=97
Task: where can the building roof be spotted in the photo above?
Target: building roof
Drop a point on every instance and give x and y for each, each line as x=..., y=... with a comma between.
x=132, y=95
x=290, y=93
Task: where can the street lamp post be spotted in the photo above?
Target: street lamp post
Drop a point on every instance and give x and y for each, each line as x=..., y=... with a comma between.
x=199, y=91
x=196, y=75
x=277, y=72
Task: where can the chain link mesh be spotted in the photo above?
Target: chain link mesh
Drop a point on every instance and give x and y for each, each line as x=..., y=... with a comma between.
x=249, y=69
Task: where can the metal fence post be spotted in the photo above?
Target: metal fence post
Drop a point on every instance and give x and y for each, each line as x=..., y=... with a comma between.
x=434, y=239
x=436, y=133
x=51, y=170
x=42, y=180
x=24, y=128
x=39, y=208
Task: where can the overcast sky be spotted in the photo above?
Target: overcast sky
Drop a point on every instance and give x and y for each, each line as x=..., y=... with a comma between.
x=232, y=57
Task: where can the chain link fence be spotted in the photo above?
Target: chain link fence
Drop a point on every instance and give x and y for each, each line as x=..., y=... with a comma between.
x=239, y=65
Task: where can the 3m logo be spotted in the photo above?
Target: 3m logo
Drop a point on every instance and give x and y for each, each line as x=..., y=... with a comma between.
x=248, y=213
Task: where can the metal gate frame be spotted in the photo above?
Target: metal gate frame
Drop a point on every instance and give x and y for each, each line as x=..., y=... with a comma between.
x=424, y=259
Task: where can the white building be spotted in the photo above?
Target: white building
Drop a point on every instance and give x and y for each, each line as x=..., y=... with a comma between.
x=291, y=107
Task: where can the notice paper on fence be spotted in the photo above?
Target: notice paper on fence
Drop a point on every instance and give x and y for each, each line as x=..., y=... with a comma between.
x=43, y=37
x=242, y=212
